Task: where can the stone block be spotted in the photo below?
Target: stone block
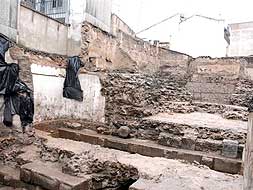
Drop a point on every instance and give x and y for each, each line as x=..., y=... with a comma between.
x=76, y=126
x=170, y=140
x=81, y=136
x=170, y=154
x=49, y=176
x=65, y=187
x=227, y=165
x=208, y=145
x=207, y=161
x=189, y=157
x=45, y=181
x=230, y=148
x=25, y=175
x=189, y=142
x=116, y=144
x=145, y=150
x=92, y=139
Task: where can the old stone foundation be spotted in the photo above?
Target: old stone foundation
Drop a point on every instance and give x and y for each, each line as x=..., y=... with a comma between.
x=150, y=118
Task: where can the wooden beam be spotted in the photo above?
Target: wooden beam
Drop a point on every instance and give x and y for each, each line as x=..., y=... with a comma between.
x=248, y=157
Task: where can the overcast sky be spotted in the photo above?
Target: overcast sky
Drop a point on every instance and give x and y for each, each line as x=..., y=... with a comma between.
x=139, y=14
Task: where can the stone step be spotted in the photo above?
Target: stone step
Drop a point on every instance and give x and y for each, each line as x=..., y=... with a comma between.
x=46, y=175
x=197, y=131
x=10, y=179
x=151, y=149
x=193, y=131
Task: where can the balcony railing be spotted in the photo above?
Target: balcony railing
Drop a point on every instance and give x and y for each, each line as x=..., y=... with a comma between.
x=56, y=9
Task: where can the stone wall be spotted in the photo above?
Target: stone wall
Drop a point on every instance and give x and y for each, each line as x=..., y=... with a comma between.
x=44, y=73
x=104, y=52
x=221, y=80
x=131, y=96
x=216, y=80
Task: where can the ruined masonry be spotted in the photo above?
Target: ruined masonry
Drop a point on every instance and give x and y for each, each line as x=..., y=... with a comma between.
x=150, y=118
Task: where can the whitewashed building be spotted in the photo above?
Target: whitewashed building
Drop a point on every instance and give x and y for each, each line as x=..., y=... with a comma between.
x=196, y=35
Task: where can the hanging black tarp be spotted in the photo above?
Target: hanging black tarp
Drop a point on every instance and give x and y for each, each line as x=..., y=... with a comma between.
x=72, y=88
x=8, y=77
x=17, y=96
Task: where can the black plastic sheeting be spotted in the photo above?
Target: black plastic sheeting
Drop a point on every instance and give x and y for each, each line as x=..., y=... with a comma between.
x=17, y=95
x=72, y=88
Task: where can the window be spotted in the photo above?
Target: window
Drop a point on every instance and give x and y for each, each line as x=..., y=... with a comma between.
x=54, y=3
x=57, y=3
x=60, y=3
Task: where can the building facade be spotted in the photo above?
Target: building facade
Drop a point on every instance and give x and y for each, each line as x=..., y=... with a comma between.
x=97, y=12
x=196, y=35
x=241, y=39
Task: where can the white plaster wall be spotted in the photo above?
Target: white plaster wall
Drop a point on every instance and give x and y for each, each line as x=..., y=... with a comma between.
x=39, y=32
x=75, y=19
x=49, y=101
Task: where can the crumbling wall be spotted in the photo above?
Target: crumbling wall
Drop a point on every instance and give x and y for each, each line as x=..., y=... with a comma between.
x=104, y=52
x=218, y=80
x=45, y=73
x=221, y=80
x=131, y=96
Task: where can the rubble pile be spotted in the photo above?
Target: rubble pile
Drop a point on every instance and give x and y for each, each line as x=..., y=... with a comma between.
x=139, y=95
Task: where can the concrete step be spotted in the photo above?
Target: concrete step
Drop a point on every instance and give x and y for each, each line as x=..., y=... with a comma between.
x=152, y=149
